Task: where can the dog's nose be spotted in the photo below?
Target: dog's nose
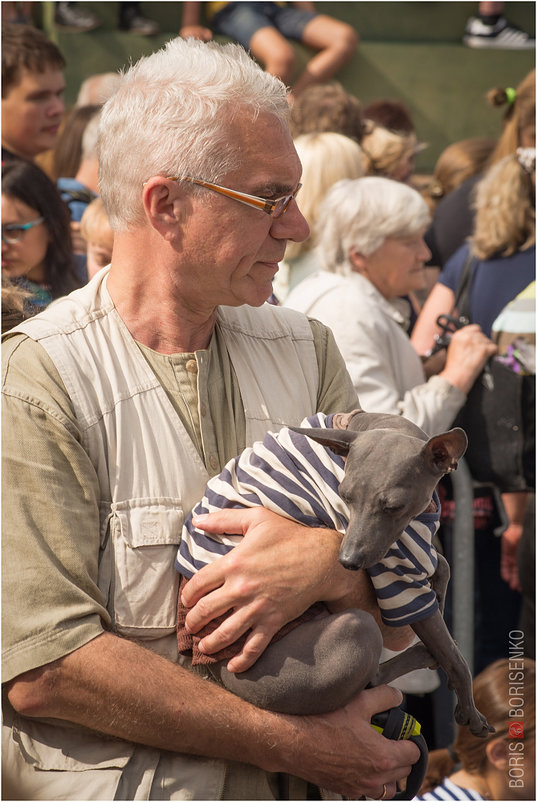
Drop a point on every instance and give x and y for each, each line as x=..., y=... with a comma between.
x=349, y=563
x=352, y=558
x=352, y=554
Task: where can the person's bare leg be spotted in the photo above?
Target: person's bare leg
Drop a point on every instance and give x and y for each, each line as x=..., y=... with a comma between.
x=275, y=53
x=491, y=8
x=336, y=42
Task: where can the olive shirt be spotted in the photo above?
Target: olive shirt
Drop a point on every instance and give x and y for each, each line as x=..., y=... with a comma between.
x=51, y=602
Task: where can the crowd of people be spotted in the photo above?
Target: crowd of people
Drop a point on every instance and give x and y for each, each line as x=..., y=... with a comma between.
x=195, y=254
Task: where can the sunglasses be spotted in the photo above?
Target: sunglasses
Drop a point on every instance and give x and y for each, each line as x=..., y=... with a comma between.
x=14, y=232
x=275, y=208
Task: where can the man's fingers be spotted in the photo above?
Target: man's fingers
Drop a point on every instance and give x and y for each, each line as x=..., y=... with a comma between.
x=208, y=608
x=226, y=633
x=209, y=578
x=255, y=645
x=380, y=698
x=224, y=521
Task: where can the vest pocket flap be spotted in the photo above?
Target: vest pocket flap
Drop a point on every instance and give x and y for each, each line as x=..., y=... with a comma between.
x=52, y=748
x=154, y=525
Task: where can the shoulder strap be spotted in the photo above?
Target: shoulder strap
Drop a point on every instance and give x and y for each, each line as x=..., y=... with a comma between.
x=81, y=195
x=462, y=296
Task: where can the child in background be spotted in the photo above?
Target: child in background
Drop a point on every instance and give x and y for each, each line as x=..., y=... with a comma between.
x=502, y=765
x=98, y=235
x=264, y=30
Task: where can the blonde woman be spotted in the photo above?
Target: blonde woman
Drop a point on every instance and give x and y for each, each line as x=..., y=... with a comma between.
x=389, y=153
x=454, y=216
x=502, y=247
x=326, y=158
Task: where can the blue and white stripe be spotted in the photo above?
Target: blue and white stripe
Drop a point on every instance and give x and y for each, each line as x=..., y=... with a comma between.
x=448, y=790
x=298, y=478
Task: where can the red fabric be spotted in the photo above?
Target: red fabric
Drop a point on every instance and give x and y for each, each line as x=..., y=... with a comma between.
x=187, y=643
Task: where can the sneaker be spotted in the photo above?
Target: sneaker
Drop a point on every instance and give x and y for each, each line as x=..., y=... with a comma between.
x=503, y=35
x=70, y=17
x=140, y=25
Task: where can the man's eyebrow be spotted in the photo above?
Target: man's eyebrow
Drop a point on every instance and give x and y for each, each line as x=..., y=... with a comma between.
x=43, y=93
x=275, y=190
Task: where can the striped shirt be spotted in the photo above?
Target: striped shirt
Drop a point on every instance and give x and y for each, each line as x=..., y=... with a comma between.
x=448, y=790
x=292, y=475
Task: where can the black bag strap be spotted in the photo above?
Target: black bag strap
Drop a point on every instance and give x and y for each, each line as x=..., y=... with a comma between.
x=82, y=195
x=464, y=288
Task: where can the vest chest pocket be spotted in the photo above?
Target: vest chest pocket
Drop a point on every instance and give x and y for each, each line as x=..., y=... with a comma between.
x=143, y=542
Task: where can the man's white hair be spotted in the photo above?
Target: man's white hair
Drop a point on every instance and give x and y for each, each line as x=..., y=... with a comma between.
x=361, y=214
x=171, y=116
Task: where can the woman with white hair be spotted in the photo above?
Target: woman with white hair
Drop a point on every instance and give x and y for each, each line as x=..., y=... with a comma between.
x=371, y=249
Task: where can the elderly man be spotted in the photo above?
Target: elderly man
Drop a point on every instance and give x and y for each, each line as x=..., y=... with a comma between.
x=119, y=403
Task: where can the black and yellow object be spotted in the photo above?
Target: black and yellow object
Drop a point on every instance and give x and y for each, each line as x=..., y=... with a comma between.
x=397, y=725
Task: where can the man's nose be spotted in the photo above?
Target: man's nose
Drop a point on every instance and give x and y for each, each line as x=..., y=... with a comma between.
x=291, y=225
x=56, y=107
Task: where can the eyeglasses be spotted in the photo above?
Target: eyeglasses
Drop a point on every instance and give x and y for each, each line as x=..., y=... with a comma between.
x=14, y=232
x=275, y=208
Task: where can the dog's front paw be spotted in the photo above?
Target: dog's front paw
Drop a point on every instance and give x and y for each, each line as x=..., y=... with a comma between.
x=478, y=724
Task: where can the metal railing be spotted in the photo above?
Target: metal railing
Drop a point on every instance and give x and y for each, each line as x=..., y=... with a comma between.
x=462, y=568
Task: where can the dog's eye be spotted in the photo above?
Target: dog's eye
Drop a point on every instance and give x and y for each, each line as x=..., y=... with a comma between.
x=392, y=509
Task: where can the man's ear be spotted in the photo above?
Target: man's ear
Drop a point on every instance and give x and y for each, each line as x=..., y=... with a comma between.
x=163, y=205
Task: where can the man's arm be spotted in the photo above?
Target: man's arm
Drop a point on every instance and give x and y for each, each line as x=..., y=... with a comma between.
x=118, y=688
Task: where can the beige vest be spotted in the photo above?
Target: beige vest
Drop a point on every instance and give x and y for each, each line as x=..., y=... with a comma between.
x=150, y=473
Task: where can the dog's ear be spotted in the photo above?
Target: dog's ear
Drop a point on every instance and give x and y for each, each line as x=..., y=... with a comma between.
x=443, y=451
x=338, y=440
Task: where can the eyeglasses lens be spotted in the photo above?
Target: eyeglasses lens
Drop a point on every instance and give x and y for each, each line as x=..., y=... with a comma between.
x=13, y=232
x=12, y=235
x=282, y=206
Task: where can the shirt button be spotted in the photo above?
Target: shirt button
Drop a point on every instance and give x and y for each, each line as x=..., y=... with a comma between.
x=213, y=462
x=192, y=366
x=203, y=410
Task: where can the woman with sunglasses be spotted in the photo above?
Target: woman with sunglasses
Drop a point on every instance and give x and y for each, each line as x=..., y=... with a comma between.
x=36, y=241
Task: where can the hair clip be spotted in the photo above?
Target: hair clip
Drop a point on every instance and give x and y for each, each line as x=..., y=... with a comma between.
x=435, y=190
x=510, y=95
x=526, y=159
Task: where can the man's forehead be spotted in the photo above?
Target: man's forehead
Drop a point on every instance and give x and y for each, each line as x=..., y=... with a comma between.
x=267, y=151
x=250, y=127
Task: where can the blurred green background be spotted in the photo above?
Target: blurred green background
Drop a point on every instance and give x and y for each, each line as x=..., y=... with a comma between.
x=412, y=52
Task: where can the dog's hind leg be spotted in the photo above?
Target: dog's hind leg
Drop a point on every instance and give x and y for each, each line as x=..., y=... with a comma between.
x=317, y=667
x=417, y=656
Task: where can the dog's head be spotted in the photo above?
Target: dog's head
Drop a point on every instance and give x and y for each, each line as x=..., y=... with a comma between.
x=391, y=471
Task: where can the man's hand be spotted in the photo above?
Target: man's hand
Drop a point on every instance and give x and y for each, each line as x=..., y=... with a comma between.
x=350, y=757
x=276, y=572
x=197, y=32
x=508, y=560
